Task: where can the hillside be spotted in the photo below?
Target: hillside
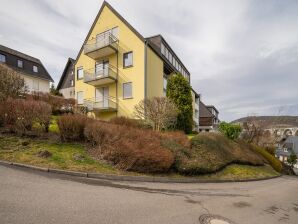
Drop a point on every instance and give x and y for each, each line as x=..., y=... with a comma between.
x=272, y=121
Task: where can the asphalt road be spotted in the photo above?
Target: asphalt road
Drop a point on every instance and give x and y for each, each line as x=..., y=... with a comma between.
x=41, y=198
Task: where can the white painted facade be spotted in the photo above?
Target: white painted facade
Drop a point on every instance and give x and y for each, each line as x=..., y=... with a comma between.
x=35, y=84
x=68, y=92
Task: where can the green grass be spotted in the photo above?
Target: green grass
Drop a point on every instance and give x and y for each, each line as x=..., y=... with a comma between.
x=54, y=126
x=12, y=149
x=190, y=136
x=238, y=172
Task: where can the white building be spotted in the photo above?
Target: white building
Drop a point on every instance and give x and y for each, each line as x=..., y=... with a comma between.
x=31, y=69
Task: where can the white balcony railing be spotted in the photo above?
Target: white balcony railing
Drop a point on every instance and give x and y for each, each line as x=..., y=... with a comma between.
x=101, y=41
x=97, y=74
x=103, y=104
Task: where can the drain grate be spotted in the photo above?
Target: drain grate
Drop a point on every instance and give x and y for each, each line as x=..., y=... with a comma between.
x=214, y=219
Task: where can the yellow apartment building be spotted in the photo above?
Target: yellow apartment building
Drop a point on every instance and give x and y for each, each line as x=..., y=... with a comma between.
x=117, y=67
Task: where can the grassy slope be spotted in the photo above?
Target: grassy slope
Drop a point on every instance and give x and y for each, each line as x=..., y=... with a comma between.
x=236, y=172
x=11, y=149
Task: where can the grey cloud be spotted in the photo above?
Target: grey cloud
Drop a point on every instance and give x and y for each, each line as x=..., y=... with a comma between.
x=242, y=55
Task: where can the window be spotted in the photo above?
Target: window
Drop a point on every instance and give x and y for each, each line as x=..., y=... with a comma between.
x=2, y=58
x=71, y=82
x=80, y=73
x=35, y=68
x=127, y=90
x=163, y=49
x=35, y=85
x=127, y=59
x=166, y=53
x=170, y=57
x=80, y=97
x=20, y=63
x=165, y=82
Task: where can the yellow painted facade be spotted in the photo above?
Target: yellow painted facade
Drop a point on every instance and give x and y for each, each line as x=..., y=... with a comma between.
x=145, y=75
x=154, y=74
x=128, y=41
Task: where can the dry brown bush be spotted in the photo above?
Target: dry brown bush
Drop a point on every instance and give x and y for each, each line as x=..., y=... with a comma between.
x=129, y=148
x=72, y=127
x=11, y=83
x=58, y=103
x=19, y=115
x=177, y=136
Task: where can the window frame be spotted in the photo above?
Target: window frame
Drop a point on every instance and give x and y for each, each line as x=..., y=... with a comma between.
x=126, y=53
x=19, y=60
x=82, y=97
x=34, y=66
x=130, y=97
x=80, y=68
x=4, y=56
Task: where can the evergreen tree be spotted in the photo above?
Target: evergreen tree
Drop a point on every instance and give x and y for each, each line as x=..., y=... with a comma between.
x=179, y=91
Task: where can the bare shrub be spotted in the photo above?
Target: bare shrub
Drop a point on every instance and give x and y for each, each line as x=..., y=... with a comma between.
x=159, y=112
x=128, y=122
x=129, y=148
x=71, y=127
x=11, y=83
x=43, y=112
x=177, y=136
x=20, y=115
x=58, y=103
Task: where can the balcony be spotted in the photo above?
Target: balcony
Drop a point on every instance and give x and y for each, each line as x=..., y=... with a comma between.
x=101, y=76
x=106, y=104
x=103, y=45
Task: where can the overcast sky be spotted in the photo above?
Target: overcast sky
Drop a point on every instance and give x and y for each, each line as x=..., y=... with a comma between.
x=242, y=55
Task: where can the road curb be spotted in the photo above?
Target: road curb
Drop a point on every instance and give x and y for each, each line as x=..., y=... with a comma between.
x=112, y=177
x=31, y=167
x=66, y=172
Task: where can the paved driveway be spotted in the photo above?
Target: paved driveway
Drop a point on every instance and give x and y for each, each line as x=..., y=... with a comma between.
x=41, y=198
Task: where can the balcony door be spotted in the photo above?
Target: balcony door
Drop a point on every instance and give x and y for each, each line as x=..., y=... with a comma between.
x=102, y=69
x=102, y=97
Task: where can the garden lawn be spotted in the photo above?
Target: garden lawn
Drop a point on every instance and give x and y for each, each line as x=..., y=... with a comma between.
x=241, y=172
x=15, y=149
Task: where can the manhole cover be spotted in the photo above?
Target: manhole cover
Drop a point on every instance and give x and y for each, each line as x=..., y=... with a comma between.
x=214, y=219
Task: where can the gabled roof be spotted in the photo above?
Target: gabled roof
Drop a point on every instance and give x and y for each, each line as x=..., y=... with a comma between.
x=204, y=112
x=70, y=62
x=211, y=106
x=20, y=55
x=118, y=15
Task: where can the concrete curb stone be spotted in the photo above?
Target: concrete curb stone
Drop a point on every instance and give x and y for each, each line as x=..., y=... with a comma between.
x=31, y=167
x=129, y=178
x=66, y=172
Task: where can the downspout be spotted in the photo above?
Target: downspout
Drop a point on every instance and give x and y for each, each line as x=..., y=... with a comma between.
x=145, y=75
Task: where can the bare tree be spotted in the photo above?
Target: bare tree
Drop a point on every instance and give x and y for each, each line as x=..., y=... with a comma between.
x=11, y=83
x=158, y=112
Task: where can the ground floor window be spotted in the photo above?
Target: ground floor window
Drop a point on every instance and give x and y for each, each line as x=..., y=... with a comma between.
x=80, y=97
x=127, y=90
